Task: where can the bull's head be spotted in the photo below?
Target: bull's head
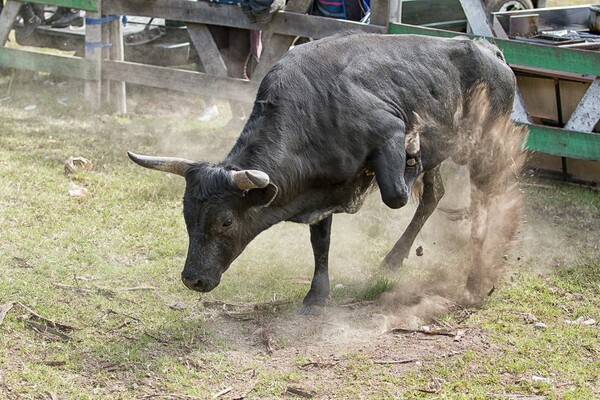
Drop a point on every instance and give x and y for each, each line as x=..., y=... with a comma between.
x=221, y=211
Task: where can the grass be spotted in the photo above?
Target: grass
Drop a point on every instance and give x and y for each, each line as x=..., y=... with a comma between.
x=74, y=261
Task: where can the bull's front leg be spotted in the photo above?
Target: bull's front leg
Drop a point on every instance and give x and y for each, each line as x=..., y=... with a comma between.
x=320, y=237
x=433, y=190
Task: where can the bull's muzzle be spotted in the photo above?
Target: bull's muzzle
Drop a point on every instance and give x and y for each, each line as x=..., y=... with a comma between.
x=199, y=284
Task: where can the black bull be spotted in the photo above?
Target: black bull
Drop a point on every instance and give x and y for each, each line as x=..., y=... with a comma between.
x=331, y=118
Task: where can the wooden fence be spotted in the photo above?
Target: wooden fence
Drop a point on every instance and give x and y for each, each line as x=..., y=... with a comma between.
x=105, y=70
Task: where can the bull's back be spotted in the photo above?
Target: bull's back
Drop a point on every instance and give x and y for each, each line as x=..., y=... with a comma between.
x=357, y=74
x=340, y=98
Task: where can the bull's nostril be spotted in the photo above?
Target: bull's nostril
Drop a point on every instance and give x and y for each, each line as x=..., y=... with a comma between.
x=193, y=284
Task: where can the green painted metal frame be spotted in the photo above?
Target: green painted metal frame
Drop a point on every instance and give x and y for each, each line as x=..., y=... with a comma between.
x=555, y=141
x=88, y=5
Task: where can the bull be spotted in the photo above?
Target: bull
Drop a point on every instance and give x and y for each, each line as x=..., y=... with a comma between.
x=333, y=119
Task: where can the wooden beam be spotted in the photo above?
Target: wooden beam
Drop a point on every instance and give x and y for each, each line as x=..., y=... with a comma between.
x=380, y=12
x=74, y=67
x=207, y=49
x=7, y=19
x=476, y=17
x=572, y=144
x=587, y=113
x=175, y=79
x=118, y=93
x=93, y=53
x=286, y=23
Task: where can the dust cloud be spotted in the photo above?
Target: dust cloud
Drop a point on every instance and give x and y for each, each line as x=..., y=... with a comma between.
x=425, y=286
x=433, y=279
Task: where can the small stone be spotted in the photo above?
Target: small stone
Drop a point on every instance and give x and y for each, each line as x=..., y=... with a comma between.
x=540, y=325
x=535, y=378
x=419, y=251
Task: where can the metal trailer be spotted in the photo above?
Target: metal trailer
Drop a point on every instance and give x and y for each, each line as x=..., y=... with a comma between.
x=558, y=80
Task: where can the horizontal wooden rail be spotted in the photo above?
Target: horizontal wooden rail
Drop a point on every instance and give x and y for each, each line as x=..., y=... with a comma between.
x=182, y=80
x=286, y=23
x=564, y=143
x=75, y=67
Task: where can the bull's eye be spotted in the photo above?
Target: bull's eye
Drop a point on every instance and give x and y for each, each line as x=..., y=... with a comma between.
x=227, y=223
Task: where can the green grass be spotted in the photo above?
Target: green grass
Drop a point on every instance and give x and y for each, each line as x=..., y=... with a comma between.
x=129, y=232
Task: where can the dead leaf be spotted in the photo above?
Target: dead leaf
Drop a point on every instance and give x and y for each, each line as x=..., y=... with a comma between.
x=72, y=164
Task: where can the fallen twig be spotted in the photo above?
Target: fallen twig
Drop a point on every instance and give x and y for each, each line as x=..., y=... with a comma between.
x=320, y=364
x=358, y=303
x=109, y=311
x=4, y=309
x=74, y=288
x=407, y=361
x=47, y=331
x=222, y=392
x=266, y=339
x=170, y=396
x=240, y=315
x=135, y=288
x=301, y=392
x=233, y=305
x=426, y=390
x=159, y=340
x=54, y=363
x=440, y=332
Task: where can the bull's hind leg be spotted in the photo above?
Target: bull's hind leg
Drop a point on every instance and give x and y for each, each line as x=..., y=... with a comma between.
x=480, y=203
x=433, y=190
x=320, y=235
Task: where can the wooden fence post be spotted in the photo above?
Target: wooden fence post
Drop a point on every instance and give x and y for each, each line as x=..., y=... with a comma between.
x=118, y=93
x=93, y=52
x=7, y=19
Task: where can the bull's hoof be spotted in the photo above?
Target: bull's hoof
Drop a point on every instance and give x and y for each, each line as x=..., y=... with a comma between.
x=475, y=291
x=391, y=264
x=308, y=309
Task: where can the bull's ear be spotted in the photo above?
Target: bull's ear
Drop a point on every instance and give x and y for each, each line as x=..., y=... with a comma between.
x=261, y=197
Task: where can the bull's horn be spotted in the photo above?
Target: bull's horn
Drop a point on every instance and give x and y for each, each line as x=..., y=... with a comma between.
x=249, y=179
x=166, y=164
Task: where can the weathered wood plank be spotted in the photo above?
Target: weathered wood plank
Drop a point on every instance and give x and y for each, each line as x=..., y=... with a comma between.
x=93, y=53
x=587, y=113
x=88, y=5
x=185, y=81
x=118, y=92
x=7, y=19
x=207, y=49
x=380, y=12
x=572, y=144
x=75, y=67
x=286, y=23
x=476, y=17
